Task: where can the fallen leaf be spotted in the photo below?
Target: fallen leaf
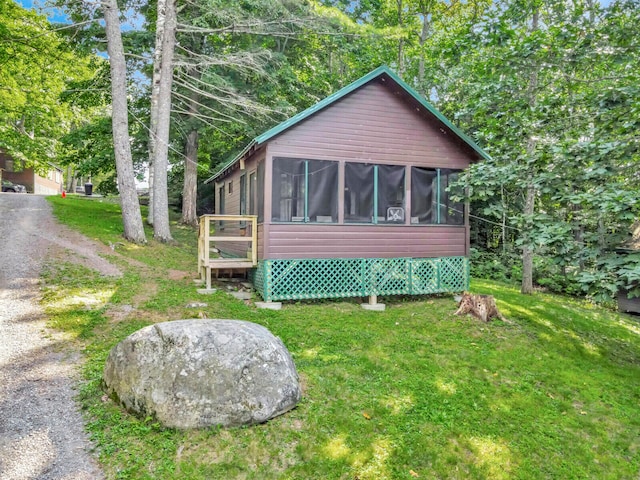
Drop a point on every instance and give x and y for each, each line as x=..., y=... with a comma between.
x=550, y=396
x=582, y=412
x=366, y=415
x=413, y=474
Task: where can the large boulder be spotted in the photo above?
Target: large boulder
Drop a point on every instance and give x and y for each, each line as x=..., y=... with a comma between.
x=198, y=373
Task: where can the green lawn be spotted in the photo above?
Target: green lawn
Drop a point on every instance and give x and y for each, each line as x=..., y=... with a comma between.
x=412, y=392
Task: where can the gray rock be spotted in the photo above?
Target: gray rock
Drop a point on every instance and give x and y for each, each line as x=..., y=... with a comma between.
x=196, y=305
x=241, y=295
x=198, y=373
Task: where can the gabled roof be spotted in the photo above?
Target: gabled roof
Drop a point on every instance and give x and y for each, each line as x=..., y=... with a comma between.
x=378, y=72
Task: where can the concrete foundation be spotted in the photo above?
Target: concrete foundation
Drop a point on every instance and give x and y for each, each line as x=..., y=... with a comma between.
x=269, y=305
x=376, y=307
x=206, y=291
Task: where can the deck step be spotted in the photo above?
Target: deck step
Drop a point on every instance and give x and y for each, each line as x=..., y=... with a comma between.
x=222, y=263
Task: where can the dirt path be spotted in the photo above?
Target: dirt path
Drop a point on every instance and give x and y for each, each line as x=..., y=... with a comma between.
x=41, y=430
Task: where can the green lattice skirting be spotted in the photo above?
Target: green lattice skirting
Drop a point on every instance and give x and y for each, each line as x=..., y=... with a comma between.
x=359, y=277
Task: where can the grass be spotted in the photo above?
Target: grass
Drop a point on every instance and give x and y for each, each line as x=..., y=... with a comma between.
x=412, y=392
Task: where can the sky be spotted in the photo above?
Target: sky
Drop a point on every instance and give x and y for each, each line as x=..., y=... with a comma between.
x=53, y=14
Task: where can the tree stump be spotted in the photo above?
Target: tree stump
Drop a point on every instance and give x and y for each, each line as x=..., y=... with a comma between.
x=482, y=307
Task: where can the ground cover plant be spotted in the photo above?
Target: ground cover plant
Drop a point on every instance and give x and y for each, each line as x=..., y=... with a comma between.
x=412, y=392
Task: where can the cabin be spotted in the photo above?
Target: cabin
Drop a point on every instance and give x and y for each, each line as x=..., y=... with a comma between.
x=46, y=182
x=626, y=302
x=348, y=198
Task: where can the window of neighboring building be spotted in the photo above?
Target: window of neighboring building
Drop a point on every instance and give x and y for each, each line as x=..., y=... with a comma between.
x=304, y=190
x=374, y=188
x=431, y=203
x=230, y=186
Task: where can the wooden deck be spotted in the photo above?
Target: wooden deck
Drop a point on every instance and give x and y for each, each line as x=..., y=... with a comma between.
x=208, y=239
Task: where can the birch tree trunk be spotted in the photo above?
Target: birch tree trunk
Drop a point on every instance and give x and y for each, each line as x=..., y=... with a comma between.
x=401, y=40
x=131, y=216
x=527, y=249
x=529, y=204
x=161, y=230
x=424, y=34
x=155, y=93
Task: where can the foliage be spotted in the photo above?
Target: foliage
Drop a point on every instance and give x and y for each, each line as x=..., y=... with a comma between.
x=411, y=389
x=556, y=106
x=546, y=114
x=37, y=68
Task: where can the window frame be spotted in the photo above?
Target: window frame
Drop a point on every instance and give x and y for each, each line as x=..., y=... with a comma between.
x=304, y=196
x=374, y=219
x=440, y=197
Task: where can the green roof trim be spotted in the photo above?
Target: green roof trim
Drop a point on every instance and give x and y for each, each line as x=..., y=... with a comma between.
x=299, y=117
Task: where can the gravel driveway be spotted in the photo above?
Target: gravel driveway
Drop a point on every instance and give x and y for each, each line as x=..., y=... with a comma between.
x=41, y=430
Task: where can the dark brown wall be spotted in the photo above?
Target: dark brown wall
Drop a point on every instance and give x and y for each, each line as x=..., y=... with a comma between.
x=232, y=204
x=371, y=125
x=24, y=177
x=289, y=241
x=33, y=182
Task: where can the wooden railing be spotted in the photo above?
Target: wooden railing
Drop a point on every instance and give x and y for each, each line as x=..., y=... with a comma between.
x=237, y=228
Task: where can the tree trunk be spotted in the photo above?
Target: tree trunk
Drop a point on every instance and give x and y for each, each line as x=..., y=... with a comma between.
x=161, y=230
x=190, y=187
x=155, y=93
x=423, y=39
x=401, y=40
x=71, y=180
x=131, y=216
x=529, y=204
x=527, y=249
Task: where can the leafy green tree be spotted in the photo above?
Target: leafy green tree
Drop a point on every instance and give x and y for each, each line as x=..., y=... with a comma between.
x=534, y=86
x=37, y=66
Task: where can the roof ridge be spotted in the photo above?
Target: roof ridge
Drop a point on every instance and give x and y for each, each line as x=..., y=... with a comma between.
x=337, y=95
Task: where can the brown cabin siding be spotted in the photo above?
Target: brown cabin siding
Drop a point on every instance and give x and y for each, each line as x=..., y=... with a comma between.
x=370, y=125
x=374, y=125
x=289, y=241
x=232, y=207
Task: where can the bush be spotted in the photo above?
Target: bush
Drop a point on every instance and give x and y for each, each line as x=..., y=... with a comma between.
x=503, y=267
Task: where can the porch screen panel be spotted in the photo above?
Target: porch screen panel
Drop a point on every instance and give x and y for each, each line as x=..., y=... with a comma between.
x=322, y=178
x=391, y=194
x=358, y=192
x=287, y=201
x=423, y=195
x=451, y=213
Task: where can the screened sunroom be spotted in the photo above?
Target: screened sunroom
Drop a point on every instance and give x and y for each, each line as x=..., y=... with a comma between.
x=353, y=197
x=308, y=191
